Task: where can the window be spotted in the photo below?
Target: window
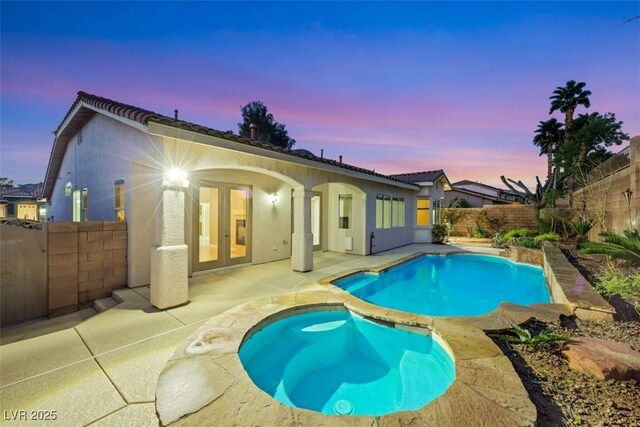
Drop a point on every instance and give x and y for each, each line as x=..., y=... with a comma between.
x=386, y=216
x=345, y=211
x=85, y=204
x=389, y=211
x=436, y=211
x=422, y=212
x=379, y=210
x=118, y=199
x=395, y=211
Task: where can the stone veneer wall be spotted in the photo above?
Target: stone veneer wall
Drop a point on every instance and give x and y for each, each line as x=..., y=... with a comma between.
x=86, y=261
x=614, y=205
x=515, y=216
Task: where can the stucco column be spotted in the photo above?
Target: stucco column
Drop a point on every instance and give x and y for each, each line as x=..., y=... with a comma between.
x=169, y=255
x=302, y=239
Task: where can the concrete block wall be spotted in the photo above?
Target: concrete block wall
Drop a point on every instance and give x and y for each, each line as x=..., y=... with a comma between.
x=86, y=261
x=605, y=197
x=515, y=216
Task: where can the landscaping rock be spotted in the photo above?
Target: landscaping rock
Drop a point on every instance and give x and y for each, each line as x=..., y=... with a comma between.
x=603, y=359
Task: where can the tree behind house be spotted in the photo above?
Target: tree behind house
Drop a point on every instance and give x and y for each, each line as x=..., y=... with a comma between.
x=267, y=129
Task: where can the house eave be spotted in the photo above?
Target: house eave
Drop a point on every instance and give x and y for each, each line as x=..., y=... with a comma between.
x=162, y=130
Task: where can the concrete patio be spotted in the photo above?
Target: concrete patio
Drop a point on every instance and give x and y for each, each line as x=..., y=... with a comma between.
x=103, y=370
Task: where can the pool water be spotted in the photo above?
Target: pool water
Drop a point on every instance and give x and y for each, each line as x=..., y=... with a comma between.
x=451, y=285
x=338, y=363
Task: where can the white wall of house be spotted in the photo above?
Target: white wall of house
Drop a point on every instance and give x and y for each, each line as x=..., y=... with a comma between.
x=111, y=150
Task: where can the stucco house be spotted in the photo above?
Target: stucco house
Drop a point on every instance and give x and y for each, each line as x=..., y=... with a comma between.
x=479, y=194
x=240, y=200
x=22, y=202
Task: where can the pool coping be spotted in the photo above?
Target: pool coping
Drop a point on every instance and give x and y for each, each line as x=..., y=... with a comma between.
x=505, y=316
x=204, y=380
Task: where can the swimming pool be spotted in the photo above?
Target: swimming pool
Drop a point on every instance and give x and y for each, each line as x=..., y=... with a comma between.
x=339, y=363
x=451, y=285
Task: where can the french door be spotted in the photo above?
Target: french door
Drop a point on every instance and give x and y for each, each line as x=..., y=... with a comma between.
x=223, y=233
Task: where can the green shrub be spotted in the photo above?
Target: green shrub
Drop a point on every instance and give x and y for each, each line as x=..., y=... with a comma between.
x=499, y=240
x=490, y=225
x=547, y=237
x=453, y=216
x=626, y=247
x=612, y=281
x=480, y=233
x=459, y=202
x=438, y=233
x=526, y=242
x=519, y=335
x=581, y=228
x=519, y=232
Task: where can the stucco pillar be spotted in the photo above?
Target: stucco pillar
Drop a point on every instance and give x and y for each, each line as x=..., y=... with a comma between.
x=302, y=239
x=169, y=255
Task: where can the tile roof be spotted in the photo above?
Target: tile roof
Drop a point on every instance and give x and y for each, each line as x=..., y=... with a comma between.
x=415, y=177
x=143, y=116
x=33, y=191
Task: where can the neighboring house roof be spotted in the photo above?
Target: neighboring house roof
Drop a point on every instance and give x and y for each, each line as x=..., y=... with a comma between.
x=487, y=186
x=85, y=106
x=420, y=177
x=26, y=191
x=481, y=195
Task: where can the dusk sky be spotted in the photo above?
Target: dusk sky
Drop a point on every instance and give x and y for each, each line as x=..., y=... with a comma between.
x=395, y=87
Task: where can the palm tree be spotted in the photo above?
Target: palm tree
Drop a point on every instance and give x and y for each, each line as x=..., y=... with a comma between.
x=547, y=136
x=567, y=98
x=625, y=246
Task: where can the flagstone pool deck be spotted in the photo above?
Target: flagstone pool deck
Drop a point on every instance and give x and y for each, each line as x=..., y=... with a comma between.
x=103, y=370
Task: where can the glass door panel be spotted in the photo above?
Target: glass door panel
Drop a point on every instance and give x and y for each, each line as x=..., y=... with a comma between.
x=208, y=224
x=315, y=221
x=238, y=214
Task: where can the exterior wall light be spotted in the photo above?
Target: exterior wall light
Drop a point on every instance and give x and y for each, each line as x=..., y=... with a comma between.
x=627, y=196
x=274, y=198
x=176, y=177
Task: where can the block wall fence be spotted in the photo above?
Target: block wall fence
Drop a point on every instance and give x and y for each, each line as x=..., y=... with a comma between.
x=86, y=261
x=606, y=197
x=515, y=216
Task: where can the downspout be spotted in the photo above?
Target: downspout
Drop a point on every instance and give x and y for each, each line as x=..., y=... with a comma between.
x=372, y=237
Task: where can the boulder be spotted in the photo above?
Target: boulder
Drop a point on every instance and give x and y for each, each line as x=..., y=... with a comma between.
x=603, y=359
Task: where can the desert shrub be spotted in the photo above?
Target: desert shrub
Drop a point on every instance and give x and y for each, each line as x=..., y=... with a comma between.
x=613, y=281
x=459, y=202
x=520, y=335
x=559, y=218
x=439, y=233
x=526, y=242
x=499, y=241
x=490, y=225
x=480, y=233
x=547, y=237
x=519, y=232
x=453, y=216
x=581, y=227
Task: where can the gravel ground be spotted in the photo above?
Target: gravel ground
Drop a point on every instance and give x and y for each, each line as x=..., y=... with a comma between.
x=564, y=397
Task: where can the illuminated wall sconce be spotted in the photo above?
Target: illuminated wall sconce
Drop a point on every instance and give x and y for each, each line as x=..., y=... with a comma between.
x=274, y=198
x=175, y=177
